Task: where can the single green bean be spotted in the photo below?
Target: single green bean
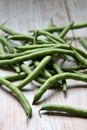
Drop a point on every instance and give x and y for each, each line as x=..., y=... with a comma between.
x=35, y=38
x=29, y=47
x=49, y=82
x=65, y=30
x=59, y=70
x=80, y=58
x=5, y=42
x=2, y=51
x=70, y=68
x=35, y=72
x=19, y=95
x=7, y=30
x=67, y=109
x=76, y=26
x=83, y=42
x=16, y=76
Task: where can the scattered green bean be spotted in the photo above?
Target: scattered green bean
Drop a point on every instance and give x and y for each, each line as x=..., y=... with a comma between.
x=83, y=42
x=35, y=72
x=65, y=109
x=75, y=26
x=19, y=95
x=55, y=78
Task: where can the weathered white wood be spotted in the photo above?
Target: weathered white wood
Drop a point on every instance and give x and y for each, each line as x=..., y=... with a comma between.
x=22, y=15
x=77, y=10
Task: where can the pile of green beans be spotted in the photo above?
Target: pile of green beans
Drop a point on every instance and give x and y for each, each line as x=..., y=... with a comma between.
x=43, y=55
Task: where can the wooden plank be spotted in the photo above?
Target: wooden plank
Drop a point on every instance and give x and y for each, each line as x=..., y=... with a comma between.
x=32, y=14
x=77, y=12
x=22, y=15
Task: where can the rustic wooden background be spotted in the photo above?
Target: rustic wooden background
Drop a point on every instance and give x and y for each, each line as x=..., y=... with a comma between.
x=22, y=15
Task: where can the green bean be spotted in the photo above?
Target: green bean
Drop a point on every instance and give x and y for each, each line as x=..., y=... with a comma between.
x=2, y=51
x=7, y=30
x=49, y=82
x=45, y=33
x=83, y=42
x=65, y=109
x=29, y=47
x=76, y=26
x=34, y=55
x=44, y=72
x=16, y=76
x=65, y=30
x=51, y=23
x=9, y=56
x=6, y=43
x=70, y=68
x=58, y=69
x=27, y=37
x=19, y=95
x=35, y=72
x=28, y=71
x=35, y=39
x=51, y=45
x=80, y=58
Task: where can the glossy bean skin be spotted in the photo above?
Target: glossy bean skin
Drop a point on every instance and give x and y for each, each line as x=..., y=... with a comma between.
x=67, y=109
x=19, y=95
x=55, y=78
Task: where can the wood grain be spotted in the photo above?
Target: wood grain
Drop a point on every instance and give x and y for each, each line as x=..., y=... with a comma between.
x=77, y=11
x=22, y=15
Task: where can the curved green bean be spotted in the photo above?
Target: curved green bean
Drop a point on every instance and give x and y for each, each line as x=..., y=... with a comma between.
x=19, y=95
x=7, y=30
x=53, y=79
x=67, y=109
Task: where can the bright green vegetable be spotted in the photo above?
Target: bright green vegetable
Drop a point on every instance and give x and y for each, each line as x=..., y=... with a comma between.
x=35, y=72
x=65, y=109
x=56, y=78
x=19, y=95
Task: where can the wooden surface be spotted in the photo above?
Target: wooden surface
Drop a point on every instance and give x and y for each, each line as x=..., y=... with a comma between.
x=22, y=15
